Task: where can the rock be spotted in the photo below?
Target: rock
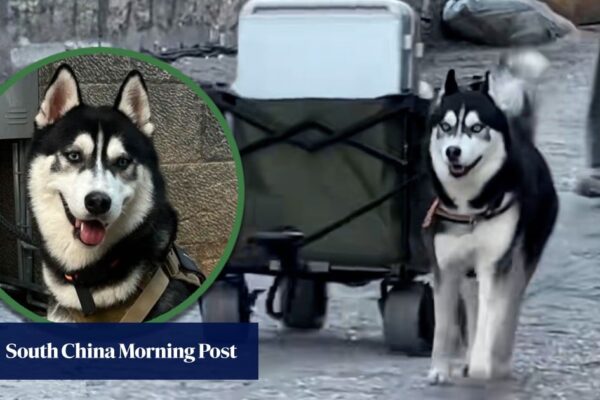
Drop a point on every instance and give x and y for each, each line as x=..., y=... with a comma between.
x=505, y=23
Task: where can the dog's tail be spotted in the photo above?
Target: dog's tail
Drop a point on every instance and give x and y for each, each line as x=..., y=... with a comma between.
x=528, y=65
x=512, y=86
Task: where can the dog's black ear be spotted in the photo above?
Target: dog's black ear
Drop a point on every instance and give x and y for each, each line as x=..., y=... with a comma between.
x=133, y=101
x=485, y=85
x=450, y=87
x=61, y=96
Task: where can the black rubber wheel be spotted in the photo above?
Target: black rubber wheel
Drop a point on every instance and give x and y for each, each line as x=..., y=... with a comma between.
x=408, y=319
x=308, y=305
x=427, y=317
x=225, y=301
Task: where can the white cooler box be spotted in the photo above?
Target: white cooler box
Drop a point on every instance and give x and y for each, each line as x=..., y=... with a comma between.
x=348, y=49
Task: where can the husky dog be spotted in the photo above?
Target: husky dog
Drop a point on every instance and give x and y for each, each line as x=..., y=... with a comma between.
x=98, y=198
x=495, y=210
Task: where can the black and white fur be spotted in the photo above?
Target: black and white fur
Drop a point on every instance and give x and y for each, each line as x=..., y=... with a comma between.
x=483, y=158
x=96, y=169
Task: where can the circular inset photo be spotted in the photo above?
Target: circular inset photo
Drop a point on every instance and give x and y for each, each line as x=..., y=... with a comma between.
x=122, y=189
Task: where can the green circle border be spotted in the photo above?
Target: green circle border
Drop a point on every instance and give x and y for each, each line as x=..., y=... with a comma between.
x=194, y=87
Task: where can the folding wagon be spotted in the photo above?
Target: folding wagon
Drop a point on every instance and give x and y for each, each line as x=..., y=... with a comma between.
x=332, y=137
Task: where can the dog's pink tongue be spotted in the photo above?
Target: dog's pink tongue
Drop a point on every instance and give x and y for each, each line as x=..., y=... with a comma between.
x=92, y=232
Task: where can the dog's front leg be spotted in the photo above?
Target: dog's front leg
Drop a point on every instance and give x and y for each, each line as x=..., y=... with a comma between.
x=446, y=340
x=500, y=293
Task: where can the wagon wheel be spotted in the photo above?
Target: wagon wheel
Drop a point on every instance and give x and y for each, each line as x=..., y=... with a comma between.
x=307, y=305
x=408, y=319
x=226, y=301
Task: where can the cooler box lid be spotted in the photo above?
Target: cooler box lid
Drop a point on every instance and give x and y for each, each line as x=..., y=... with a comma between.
x=325, y=49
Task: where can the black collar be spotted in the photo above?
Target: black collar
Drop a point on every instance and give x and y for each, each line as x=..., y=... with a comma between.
x=97, y=274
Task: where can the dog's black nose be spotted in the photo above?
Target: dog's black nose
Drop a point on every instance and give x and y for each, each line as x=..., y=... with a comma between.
x=453, y=153
x=97, y=203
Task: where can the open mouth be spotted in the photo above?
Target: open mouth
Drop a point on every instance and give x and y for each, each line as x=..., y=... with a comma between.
x=459, y=170
x=89, y=232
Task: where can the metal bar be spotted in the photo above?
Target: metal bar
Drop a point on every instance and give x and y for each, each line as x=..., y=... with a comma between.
x=337, y=274
x=17, y=205
x=26, y=220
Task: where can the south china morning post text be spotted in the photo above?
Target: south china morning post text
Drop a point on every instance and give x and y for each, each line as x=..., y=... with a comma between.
x=102, y=351
x=67, y=351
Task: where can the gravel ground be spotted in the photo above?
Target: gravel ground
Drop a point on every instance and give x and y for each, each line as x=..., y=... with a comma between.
x=558, y=345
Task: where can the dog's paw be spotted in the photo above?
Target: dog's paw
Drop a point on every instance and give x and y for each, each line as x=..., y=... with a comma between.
x=479, y=371
x=438, y=376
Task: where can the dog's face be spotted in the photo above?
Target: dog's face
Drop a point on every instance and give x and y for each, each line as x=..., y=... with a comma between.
x=90, y=178
x=468, y=131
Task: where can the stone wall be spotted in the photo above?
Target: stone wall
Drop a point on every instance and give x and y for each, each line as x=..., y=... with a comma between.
x=129, y=23
x=194, y=154
x=135, y=23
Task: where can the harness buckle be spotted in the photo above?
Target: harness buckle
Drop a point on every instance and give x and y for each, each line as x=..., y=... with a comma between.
x=172, y=263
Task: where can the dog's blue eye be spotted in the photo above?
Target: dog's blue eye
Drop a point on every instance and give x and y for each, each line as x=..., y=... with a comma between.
x=73, y=156
x=476, y=128
x=123, y=162
x=445, y=127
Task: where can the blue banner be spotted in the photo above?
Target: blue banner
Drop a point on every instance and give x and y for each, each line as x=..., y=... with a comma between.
x=128, y=351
